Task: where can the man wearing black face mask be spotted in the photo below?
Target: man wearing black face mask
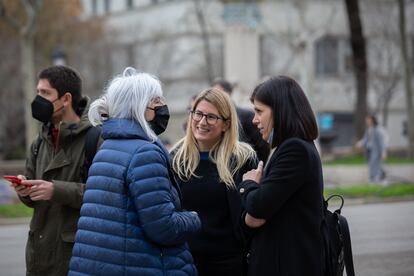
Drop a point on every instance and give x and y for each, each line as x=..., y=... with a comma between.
x=55, y=176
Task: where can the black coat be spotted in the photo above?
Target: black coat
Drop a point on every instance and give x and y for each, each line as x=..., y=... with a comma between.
x=290, y=198
x=249, y=133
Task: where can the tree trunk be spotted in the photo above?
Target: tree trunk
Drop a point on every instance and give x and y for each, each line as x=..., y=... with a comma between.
x=29, y=85
x=407, y=79
x=206, y=40
x=360, y=66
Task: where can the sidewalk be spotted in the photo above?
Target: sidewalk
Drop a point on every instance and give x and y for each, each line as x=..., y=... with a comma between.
x=11, y=221
x=348, y=175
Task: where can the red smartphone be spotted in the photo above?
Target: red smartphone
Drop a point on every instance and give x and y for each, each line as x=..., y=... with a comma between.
x=15, y=180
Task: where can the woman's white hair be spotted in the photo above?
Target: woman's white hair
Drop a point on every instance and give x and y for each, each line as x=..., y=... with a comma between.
x=127, y=96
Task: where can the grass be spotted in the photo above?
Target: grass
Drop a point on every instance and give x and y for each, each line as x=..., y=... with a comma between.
x=15, y=211
x=357, y=191
x=360, y=160
x=361, y=191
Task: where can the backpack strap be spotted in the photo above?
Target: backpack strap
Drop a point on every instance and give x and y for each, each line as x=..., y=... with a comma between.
x=349, y=263
x=91, y=144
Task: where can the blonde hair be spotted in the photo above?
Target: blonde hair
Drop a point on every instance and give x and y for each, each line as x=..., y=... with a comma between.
x=229, y=154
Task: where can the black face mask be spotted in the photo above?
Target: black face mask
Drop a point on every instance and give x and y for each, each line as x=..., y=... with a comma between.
x=42, y=109
x=160, y=121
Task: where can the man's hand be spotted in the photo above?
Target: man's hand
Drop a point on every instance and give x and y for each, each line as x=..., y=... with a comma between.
x=255, y=174
x=253, y=222
x=21, y=190
x=41, y=190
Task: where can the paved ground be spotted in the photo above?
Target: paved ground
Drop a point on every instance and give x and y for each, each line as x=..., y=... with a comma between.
x=382, y=238
x=12, y=243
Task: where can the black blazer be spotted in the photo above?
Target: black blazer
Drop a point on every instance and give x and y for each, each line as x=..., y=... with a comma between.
x=290, y=198
x=249, y=133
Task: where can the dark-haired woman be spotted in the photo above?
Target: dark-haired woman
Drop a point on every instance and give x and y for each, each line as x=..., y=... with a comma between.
x=284, y=200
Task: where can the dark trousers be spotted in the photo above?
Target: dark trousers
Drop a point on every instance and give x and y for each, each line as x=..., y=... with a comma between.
x=220, y=265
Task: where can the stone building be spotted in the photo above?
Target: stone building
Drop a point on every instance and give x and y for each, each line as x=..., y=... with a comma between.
x=187, y=43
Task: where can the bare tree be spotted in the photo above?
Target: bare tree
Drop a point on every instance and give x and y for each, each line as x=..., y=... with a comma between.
x=359, y=58
x=59, y=24
x=385, y=74
x=298, y=45
x=26, y=30
x=407, y=77
x=384, y=80
x=206, y=39
x=11, y=125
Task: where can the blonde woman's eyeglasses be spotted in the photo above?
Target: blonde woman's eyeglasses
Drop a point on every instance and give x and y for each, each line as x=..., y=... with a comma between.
x=211, y=119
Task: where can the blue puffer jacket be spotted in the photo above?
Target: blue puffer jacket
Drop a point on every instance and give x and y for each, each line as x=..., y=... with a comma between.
x=131, y=223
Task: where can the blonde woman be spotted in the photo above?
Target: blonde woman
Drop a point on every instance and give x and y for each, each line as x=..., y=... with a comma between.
x=209, y=163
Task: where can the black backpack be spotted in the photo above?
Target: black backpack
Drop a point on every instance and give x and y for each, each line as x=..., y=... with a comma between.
x=91, y=144
x=337, y=242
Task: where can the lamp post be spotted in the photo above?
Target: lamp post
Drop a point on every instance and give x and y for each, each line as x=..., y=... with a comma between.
x=59, y=56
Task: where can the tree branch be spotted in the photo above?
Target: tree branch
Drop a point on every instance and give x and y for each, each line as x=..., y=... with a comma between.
x=205, y=37
x=10, y=20
x=32, y=10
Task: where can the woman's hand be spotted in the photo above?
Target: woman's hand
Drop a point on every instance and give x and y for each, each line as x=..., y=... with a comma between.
x=255, y=174
x=253, y=222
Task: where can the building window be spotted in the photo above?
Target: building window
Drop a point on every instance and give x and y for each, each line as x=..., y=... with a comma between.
x=94, y=7
x=107, y=6
x=333, y=57
x=327, y=56
x=129, y=4
x=345, y=56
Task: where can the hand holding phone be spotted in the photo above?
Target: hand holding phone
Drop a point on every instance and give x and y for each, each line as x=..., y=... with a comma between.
x=15, y=180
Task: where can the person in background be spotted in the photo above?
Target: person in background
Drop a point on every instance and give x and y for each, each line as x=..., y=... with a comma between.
x=374, y=142
x=209, y=163
x=55, y=174
x=284, y=200
x=247, y=131
x=131, y=219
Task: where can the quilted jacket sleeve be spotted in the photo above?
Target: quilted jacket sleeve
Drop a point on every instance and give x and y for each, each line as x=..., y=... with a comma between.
x=156, y=200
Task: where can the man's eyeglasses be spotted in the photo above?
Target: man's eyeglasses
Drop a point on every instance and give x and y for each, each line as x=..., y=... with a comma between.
x=211, y=119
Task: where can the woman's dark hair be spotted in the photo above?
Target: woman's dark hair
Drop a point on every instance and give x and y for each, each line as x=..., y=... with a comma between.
x=64, y=79
x=292, y=113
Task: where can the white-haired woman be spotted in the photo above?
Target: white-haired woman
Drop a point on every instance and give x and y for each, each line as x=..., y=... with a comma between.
x=131, y=220
x=209, y=163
